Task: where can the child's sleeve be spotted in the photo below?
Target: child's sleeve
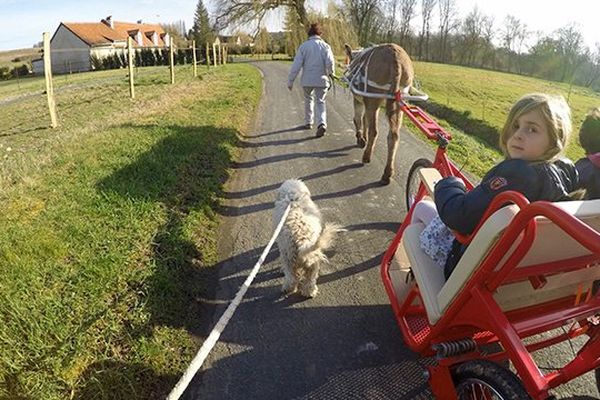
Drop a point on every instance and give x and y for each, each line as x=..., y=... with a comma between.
x=461, y=210
x=585, y=170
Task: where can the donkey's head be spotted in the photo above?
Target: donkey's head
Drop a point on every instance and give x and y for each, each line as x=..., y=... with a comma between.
x=351, y=54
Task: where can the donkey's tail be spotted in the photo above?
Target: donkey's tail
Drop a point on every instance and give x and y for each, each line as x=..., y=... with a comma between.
x=402, y=72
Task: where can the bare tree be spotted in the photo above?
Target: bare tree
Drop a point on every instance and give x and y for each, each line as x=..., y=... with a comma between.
x=240, y=12
x=593, y=72
x=391, y=20
x=471, y=36
x=295, y=33
x=427, y=7
x=364, y=16
x=262, y=41
x=513, y=35
x=571, y=50
x=489, y=51
x=407, y=12
x=448, y=22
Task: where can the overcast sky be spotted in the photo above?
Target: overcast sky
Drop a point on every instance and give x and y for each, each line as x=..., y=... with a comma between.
x=23, y=21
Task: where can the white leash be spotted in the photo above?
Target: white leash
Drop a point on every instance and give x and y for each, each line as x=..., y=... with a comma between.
x=212, y=339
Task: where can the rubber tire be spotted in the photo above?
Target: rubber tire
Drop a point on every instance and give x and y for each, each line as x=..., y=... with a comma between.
x=503, y=381
x=413, y=179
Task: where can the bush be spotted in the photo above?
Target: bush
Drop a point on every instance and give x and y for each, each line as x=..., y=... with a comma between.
x=7, y=73
x=189, y=57
x=4, y=73
x=180, y=56
x=165, y=57
x=20, y=71
x=96, y=62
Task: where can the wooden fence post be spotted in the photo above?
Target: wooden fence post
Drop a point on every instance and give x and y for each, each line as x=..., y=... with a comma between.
x=130, y=66
x=220, y=53
x=172, y=60
x=224, y=54
x=214, y=54
x=194, y=58
x=48, y=76
x=207, y=57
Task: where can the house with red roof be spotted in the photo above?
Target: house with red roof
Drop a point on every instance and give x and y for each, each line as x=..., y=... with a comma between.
x=75, y=43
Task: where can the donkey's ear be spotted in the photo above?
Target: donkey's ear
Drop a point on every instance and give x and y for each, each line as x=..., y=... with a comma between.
x=348, y=50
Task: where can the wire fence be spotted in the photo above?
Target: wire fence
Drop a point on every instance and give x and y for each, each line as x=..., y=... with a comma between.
x=80, y=73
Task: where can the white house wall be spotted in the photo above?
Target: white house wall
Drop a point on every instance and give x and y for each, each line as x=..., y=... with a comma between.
x=37, y=67
x=101, y=52
x=69, y=53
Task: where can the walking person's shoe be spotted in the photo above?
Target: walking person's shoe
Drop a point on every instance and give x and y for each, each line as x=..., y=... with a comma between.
x=321, y=130
x=307, y=126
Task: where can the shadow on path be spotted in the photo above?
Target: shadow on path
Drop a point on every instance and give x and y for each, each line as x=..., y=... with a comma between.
x=272, y=349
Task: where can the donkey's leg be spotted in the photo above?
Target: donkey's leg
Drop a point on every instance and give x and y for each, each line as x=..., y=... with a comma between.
x=359, y=115
x=395, y=121
x=371, y=113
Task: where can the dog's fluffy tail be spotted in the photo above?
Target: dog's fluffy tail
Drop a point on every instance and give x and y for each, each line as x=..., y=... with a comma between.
x=324, y=242
x=327, y=235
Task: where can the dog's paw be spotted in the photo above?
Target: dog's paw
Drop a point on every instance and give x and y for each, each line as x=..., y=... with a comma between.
x=288, y=288
x=309, y=291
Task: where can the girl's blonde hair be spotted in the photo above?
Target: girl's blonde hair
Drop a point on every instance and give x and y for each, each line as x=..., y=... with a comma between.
x=556, y=114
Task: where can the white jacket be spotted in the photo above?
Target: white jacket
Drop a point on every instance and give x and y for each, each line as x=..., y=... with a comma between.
x=315, y=58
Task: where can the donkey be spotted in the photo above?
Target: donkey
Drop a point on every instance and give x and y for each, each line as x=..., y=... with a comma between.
x=384, y=69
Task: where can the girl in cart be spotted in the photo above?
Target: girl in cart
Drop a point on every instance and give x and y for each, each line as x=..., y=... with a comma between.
x=589, y=166
x=532, y=139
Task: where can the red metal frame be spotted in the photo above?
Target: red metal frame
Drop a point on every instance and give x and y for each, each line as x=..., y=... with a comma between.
x=475, y=314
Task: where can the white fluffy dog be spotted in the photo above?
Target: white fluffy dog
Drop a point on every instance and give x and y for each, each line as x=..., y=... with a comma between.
x=303, y=238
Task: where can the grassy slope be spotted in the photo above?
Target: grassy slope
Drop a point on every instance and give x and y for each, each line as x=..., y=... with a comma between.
x=488, y=95
x=108, y=223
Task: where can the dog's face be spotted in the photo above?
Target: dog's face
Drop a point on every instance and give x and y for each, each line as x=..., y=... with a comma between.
x=292, y=190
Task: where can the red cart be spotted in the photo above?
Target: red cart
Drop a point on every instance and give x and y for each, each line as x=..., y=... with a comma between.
x=528, y=269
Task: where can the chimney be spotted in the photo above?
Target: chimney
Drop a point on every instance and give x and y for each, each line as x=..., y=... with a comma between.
x=108, y=22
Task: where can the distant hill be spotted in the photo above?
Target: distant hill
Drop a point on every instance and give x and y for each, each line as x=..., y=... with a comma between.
x=14, y=58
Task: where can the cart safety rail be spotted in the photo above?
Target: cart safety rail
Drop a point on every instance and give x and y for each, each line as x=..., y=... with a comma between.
x=474, y=312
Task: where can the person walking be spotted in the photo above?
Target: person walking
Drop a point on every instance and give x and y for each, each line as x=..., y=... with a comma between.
x=315, y=58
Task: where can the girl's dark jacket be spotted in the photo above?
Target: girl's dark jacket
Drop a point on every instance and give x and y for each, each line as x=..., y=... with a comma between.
x=461, y=210
x=589, y=176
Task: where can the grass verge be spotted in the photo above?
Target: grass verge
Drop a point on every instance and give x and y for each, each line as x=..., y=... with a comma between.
x=109, y=229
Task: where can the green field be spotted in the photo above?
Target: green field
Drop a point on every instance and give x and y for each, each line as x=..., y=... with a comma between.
x=488, y=95
x=108, y=227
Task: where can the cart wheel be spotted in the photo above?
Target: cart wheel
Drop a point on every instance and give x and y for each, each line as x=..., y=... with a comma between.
x=483, y=379
x=413, y=181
